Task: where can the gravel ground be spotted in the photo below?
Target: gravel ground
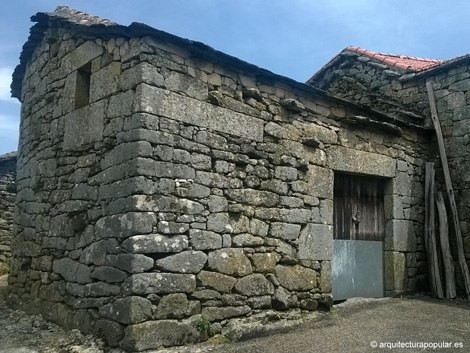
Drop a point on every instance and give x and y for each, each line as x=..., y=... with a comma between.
x=353, y=326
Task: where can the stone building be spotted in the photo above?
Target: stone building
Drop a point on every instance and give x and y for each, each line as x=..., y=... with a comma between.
x=396, y=86
x=163, y=186
x=7, y=206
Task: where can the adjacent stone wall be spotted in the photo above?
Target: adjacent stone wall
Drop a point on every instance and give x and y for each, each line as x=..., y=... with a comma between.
x=7, y=206
x=369, y=82
x=188, y=191
x=452, y=92
x=403, y=94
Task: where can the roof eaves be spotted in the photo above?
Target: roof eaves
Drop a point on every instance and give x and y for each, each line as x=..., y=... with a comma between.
x=101, y=28
x=107, y=28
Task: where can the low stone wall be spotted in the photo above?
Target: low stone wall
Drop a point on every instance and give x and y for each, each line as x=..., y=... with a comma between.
x=7, y=206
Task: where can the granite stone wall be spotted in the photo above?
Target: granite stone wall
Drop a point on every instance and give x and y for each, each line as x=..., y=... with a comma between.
x=7, y=206
x=403, y=94
x=372, y=83
x=188, y=191
x=452, y=92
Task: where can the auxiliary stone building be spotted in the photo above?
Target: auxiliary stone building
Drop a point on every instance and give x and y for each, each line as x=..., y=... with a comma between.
x=7, y=206
x=163, y=185
x=396, y=85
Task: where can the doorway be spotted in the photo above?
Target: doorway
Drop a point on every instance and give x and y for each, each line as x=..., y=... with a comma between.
x=358, y=237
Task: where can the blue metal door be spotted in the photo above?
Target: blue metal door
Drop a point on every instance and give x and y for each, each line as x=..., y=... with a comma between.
x=357, y=269
x=358, y=257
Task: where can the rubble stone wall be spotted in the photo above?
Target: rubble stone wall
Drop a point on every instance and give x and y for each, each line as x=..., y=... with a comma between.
x=7, y=205
x=189, y=191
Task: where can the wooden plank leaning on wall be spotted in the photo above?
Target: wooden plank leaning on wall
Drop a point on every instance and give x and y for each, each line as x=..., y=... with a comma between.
x=449, y=188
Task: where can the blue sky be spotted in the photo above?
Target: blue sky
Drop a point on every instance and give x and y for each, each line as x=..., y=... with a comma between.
x=293, y=38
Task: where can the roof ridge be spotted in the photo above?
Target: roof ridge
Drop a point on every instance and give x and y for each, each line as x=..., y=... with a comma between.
x=79, y=17
x=401, y=61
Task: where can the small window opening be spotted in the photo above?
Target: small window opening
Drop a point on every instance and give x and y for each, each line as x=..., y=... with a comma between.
x=82, y=88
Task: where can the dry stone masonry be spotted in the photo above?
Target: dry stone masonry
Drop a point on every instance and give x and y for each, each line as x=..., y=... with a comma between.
x=163, y=185
x=7, y=206
x=400, y=91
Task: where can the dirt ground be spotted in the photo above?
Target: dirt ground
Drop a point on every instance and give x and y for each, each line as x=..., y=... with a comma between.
x=357, y=325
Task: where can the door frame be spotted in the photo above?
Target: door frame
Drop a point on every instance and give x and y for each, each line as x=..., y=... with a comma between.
x=398, y=184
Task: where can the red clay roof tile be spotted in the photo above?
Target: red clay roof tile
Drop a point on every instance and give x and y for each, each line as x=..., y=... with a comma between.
x=401, y=61
x=418, y=65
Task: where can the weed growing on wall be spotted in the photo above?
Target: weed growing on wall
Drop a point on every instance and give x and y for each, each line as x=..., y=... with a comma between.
x=203, y=326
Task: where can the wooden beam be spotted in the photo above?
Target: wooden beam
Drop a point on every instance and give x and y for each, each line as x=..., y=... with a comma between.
x=445, y=247
x=450, y=190
x=430, y=233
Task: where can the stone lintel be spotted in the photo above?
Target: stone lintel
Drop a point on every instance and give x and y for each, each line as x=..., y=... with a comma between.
x=348, y=160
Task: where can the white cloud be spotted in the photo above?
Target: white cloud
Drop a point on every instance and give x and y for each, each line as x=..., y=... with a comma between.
x=5, y=81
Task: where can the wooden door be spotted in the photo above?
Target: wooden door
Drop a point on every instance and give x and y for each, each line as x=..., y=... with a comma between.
x=358, y=208
x=357, y=266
